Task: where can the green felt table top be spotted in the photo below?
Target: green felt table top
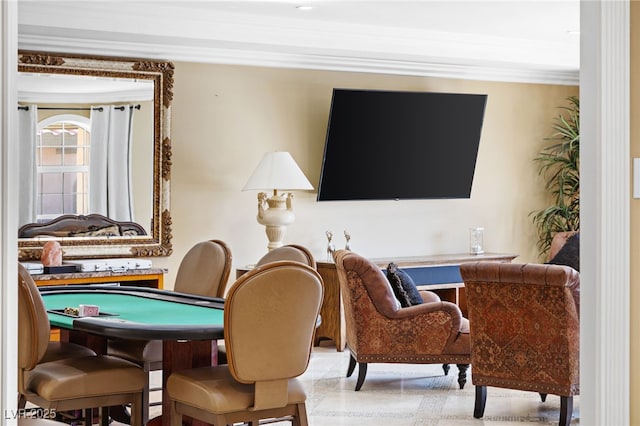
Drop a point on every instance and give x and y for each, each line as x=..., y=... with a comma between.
x=136, y=309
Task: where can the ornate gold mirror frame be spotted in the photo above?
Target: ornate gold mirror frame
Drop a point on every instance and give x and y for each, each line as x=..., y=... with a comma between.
x=158, y=242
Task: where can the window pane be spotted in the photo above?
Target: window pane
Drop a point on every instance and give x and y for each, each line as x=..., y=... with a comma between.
x=82, y=182
x=50, y=157
x=82, y=156
x=38, y=206
x=51, y=137
x=70, y=183
x=62, y=157
x=82, y=203
x=83, y=137
x=51, y=183
x=70, y=206
x=70, y=137
x=51, y=204
x=70, y=156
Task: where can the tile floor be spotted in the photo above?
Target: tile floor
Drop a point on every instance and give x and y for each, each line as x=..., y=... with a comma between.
x=409, y=395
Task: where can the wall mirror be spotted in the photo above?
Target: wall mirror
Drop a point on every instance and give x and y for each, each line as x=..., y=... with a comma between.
x=95, y=155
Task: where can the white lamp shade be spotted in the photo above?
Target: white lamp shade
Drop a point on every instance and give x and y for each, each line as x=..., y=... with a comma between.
x=277, y=170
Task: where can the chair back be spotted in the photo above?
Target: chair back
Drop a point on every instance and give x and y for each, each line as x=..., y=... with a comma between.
x=525, y=326
x=205, y=269
x=366, y=294
x=270, y=317
x=293, y=252
x=34, y=329
x=359, y=276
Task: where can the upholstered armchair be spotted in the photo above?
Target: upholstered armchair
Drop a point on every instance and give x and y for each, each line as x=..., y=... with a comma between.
x=525, y=330
x=379, y=331
x=558, y=241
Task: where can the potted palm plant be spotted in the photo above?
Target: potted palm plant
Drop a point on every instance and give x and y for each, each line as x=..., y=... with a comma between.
x=559, y=164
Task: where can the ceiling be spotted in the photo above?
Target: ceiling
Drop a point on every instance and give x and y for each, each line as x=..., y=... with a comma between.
x=508, y=40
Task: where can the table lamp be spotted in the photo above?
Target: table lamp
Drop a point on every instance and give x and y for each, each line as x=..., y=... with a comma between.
x=277, y=171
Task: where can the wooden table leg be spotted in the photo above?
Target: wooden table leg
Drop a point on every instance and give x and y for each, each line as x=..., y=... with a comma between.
x=96, y=343
x=180, y=355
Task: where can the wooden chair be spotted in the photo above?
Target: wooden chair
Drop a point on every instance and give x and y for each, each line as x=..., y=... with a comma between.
x=525, y=330
x=204, y=271
x=269, y=320
x=80, y=383
x=378, y=331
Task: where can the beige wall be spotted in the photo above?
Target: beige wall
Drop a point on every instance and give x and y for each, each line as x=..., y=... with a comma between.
x=226, y=117
x=635, y=220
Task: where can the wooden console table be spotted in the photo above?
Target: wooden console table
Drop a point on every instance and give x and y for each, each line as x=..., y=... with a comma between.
x=438, y=273
x=152, y=277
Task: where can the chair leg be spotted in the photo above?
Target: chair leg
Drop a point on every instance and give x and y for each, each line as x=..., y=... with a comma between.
x=481, y=401
x=445, y=368
x=362, y=372
x=104, y=417
x=145, y=394
x=566, y=410
x=352, y=365
x=543, y=397
x=462, y=374
x=88, y=415
x=176, y=417
x=301, y=416
x=137, y=411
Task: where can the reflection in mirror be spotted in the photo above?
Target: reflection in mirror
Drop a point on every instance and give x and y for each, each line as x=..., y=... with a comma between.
x=94, y=143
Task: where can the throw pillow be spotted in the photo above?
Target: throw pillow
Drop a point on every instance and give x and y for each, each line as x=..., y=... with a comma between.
x=569, y=254
x=403, y=286
x=398, y=289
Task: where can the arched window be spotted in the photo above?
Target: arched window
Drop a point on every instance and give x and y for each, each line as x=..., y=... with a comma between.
x=62, y=166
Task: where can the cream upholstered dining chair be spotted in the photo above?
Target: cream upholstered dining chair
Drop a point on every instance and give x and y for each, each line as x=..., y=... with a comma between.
x=57, y=350
x=204, y=271
x=294, y=252
x=525, y=330
x=269, y=319
x=80, y=383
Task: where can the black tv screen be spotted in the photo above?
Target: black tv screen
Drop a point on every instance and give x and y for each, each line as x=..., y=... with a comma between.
x=392, y=145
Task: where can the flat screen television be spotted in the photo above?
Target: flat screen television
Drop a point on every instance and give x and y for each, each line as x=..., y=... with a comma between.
x=393, y=145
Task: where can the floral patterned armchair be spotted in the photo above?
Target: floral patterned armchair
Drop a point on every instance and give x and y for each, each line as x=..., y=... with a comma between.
x=525, y=330
x=379, y=331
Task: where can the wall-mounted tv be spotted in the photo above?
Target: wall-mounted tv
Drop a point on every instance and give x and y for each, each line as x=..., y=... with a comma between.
x=392, y=145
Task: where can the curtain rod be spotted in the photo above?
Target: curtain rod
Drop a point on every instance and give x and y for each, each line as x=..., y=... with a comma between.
x=121, y=108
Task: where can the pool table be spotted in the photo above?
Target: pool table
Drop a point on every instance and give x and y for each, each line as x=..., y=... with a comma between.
x=188, y=325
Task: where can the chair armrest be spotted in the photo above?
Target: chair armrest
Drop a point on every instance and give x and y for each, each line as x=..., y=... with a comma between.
x=423, y=329
x=429, y=296
x=447, y=308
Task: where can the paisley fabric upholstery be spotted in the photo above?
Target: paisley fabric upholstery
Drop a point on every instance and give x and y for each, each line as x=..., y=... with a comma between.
x=378, y=331
x=524, y=326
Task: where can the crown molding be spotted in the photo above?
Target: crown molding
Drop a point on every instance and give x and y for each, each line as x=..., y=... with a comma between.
x=178, y=34
x=435, y=67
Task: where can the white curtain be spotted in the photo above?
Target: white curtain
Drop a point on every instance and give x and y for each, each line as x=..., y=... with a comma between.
x=27, y=186
x=110, y=192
